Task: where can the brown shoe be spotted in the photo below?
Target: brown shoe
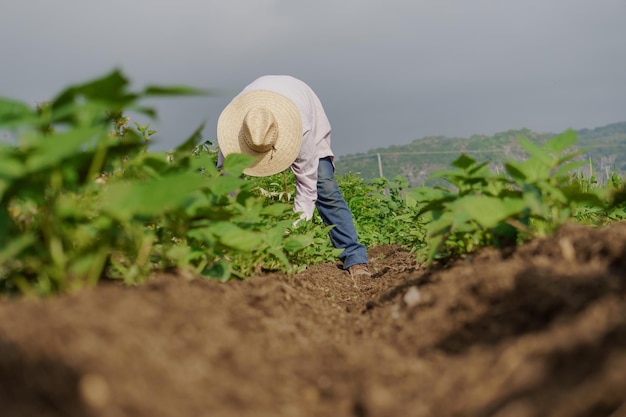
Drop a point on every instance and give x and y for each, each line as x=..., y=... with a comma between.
x=359, y=274
x=359, y=271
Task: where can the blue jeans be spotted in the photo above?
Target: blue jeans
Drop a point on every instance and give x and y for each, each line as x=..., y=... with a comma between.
x=334, y=210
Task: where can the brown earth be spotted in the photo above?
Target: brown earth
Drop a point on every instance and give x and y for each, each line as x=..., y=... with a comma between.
x=535, y=331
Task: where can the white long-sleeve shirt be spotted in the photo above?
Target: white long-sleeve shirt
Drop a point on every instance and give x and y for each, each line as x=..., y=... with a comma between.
x=315, y=135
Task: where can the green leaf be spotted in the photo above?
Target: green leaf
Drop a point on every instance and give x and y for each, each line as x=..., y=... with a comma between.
x=530, y=170
x=490, y=211
x=516, y=170
x=590, y=200
x=15, y=246
x=203, y=163
x=224, y=185
x=561, y=142
x=444, y=174
x=14, y=113
x=441, y=225
x=234, y=237
x=204, y=235
x=567, y=168
x=567, y=157
x=50, y=151
x=279, y=254
x=533, y=200
x=411, y=202
x=460, y=217
x=295, y=243
x=274, y=235
x=175, y=90
x=436, y=242
x=90, y=265
x=220, y=271
x=155, y=161
x=426, y=194
x=109, y=88
x=127, y=200
x=536, y=151
x=479, y=169
x=463, y=162
x=235, y=163
x=6, y=223
x=555, y=193
x=10, y=166
x=276, y=209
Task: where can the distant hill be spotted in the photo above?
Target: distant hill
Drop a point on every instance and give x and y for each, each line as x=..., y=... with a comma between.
x=605, y=146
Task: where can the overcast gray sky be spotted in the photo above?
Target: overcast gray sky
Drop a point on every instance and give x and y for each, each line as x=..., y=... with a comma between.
x=387, y=71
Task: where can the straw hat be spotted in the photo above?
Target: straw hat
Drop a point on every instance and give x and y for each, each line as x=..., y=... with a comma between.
x=263, y=124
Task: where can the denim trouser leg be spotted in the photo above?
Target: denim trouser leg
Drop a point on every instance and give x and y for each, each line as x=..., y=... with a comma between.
x=334, y=210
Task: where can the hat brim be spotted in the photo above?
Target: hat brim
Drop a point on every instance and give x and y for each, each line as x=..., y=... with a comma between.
x=288, y=143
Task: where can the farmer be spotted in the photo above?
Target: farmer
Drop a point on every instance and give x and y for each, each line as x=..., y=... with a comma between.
x=279, y=120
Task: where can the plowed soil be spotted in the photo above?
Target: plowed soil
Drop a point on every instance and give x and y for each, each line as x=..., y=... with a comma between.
x=539, y=330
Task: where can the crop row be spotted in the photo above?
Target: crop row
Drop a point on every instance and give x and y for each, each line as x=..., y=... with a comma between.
x=83, y=199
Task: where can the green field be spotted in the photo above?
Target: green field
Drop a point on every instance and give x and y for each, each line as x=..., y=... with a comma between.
x=84, y=199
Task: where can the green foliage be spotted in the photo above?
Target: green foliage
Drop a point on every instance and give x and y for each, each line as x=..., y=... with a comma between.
x=281, y=188
x=612, y=192
x=533, y=198
x=382, y=213
x=46, y=242
x=415, y=161
x=81, y=198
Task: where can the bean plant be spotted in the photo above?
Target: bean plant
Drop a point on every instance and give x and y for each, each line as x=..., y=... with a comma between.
x=531, y=199
x=82, y=198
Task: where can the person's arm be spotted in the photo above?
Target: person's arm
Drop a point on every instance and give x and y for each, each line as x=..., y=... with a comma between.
x=305, y=170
